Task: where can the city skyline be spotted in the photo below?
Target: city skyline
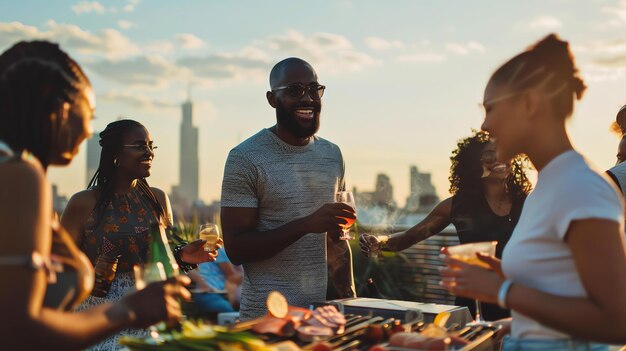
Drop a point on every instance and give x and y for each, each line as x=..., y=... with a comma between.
x=404, y=77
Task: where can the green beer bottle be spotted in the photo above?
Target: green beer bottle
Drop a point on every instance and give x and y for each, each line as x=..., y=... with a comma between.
x=159, y=251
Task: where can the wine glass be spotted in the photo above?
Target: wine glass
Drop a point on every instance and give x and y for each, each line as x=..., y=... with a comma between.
x=211, y=234
x=144, y=275
x=467, y=253
x=346, y=197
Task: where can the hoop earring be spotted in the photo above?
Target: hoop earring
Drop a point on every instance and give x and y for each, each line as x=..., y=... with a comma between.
x=116, y=162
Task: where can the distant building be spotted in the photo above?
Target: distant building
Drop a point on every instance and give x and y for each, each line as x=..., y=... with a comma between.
x=186, y=193
x=423, y=196
x=93, y=156
x=381, y=196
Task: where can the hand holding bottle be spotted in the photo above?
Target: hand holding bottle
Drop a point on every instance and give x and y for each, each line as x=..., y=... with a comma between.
x=157, y=302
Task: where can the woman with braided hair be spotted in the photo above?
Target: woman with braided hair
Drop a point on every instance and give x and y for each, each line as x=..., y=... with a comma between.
x=115, y=215
x=563, y=272
x=46, y=107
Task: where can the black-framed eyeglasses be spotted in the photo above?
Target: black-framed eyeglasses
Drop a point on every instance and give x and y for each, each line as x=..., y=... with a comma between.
x=297, y=90
x=143, y=147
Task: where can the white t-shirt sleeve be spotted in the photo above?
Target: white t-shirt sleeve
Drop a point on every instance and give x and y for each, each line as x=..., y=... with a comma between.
x=239, y=187
x=590, y=197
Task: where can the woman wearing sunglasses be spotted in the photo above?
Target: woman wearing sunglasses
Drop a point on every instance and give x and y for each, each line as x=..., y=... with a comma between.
x=46, y=107
x=487, y=201
x=114, y=216
x=563, y=272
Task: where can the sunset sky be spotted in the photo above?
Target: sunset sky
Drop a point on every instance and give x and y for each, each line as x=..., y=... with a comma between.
x=403, y=78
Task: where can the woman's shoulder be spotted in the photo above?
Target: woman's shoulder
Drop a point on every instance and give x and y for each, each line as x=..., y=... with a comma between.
x=20, y=173
x=160, y=194
x=85, y=199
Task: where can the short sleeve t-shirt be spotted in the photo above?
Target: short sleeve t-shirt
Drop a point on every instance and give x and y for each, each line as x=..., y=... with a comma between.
x=284, y=182
x=537, y=255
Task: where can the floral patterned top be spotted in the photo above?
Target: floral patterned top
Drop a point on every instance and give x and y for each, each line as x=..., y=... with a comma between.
x=123, y=230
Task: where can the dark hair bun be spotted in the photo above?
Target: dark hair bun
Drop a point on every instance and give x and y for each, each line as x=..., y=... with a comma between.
x=556, y=55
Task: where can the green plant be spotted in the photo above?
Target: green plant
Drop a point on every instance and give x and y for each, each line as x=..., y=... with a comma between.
x=184, y=232
x=386, y=272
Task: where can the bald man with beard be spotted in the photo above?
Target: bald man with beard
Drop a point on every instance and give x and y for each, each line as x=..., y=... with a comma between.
x=278, y=213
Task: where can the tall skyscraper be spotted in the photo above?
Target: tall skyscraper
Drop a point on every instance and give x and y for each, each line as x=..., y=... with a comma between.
x=423, y=194
x=188, y=187
x=93, y=156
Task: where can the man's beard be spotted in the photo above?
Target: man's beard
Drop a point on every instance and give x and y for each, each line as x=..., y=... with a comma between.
x=287, y=120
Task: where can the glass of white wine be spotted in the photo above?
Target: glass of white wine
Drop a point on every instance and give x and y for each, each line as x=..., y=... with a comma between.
x=467, y=253
x=145, y=274
x=211, y=234
x=346, y=197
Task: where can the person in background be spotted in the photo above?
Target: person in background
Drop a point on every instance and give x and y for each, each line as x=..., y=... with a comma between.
x=46, y=107
x=278, y=198
x=487, y=200
x=115, y=215
x=218, y=285
x=562, y=272
x=618, y=172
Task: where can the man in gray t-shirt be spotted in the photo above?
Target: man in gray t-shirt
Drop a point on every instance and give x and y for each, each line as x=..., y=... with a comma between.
x=278, y=213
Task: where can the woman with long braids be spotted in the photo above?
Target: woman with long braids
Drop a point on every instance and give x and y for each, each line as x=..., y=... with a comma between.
x=46, y=107
x=485, y=206
x=563, y=272
x=115, y=215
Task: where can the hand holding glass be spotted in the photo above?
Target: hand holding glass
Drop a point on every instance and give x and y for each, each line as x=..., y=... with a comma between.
x=211, y=234
x=146, y=274
x=346, y=197
x=467, y=253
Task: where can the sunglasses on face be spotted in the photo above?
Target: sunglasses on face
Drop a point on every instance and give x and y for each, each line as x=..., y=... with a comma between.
x=297, y=90
x=142, y=147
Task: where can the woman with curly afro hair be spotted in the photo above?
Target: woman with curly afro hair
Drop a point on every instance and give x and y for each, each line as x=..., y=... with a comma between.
x=486, y=202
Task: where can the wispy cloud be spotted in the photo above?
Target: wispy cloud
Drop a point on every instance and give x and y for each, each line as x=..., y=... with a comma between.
x=544, y=22
x=161, y=47
x=125, y=24
x=190, y=41
x=108, y=42
x=617, y=11
x=137, y=101
x=603, y=60
x=88, y=7
x=139, y=70
x=131, y=5
x=329, y=52
x=429, y=56
x=424, y=52
x=227, y=66
x=381, y=44
x=464, y=49
x=116, y=58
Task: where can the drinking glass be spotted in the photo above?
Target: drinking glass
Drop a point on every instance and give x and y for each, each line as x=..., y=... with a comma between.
x=346, y=197
x=375, y=252
x=144, y=275
x=211, y=234
x=467, y=253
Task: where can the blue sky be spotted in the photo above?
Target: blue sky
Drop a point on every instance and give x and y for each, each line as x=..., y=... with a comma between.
x=404, y=77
